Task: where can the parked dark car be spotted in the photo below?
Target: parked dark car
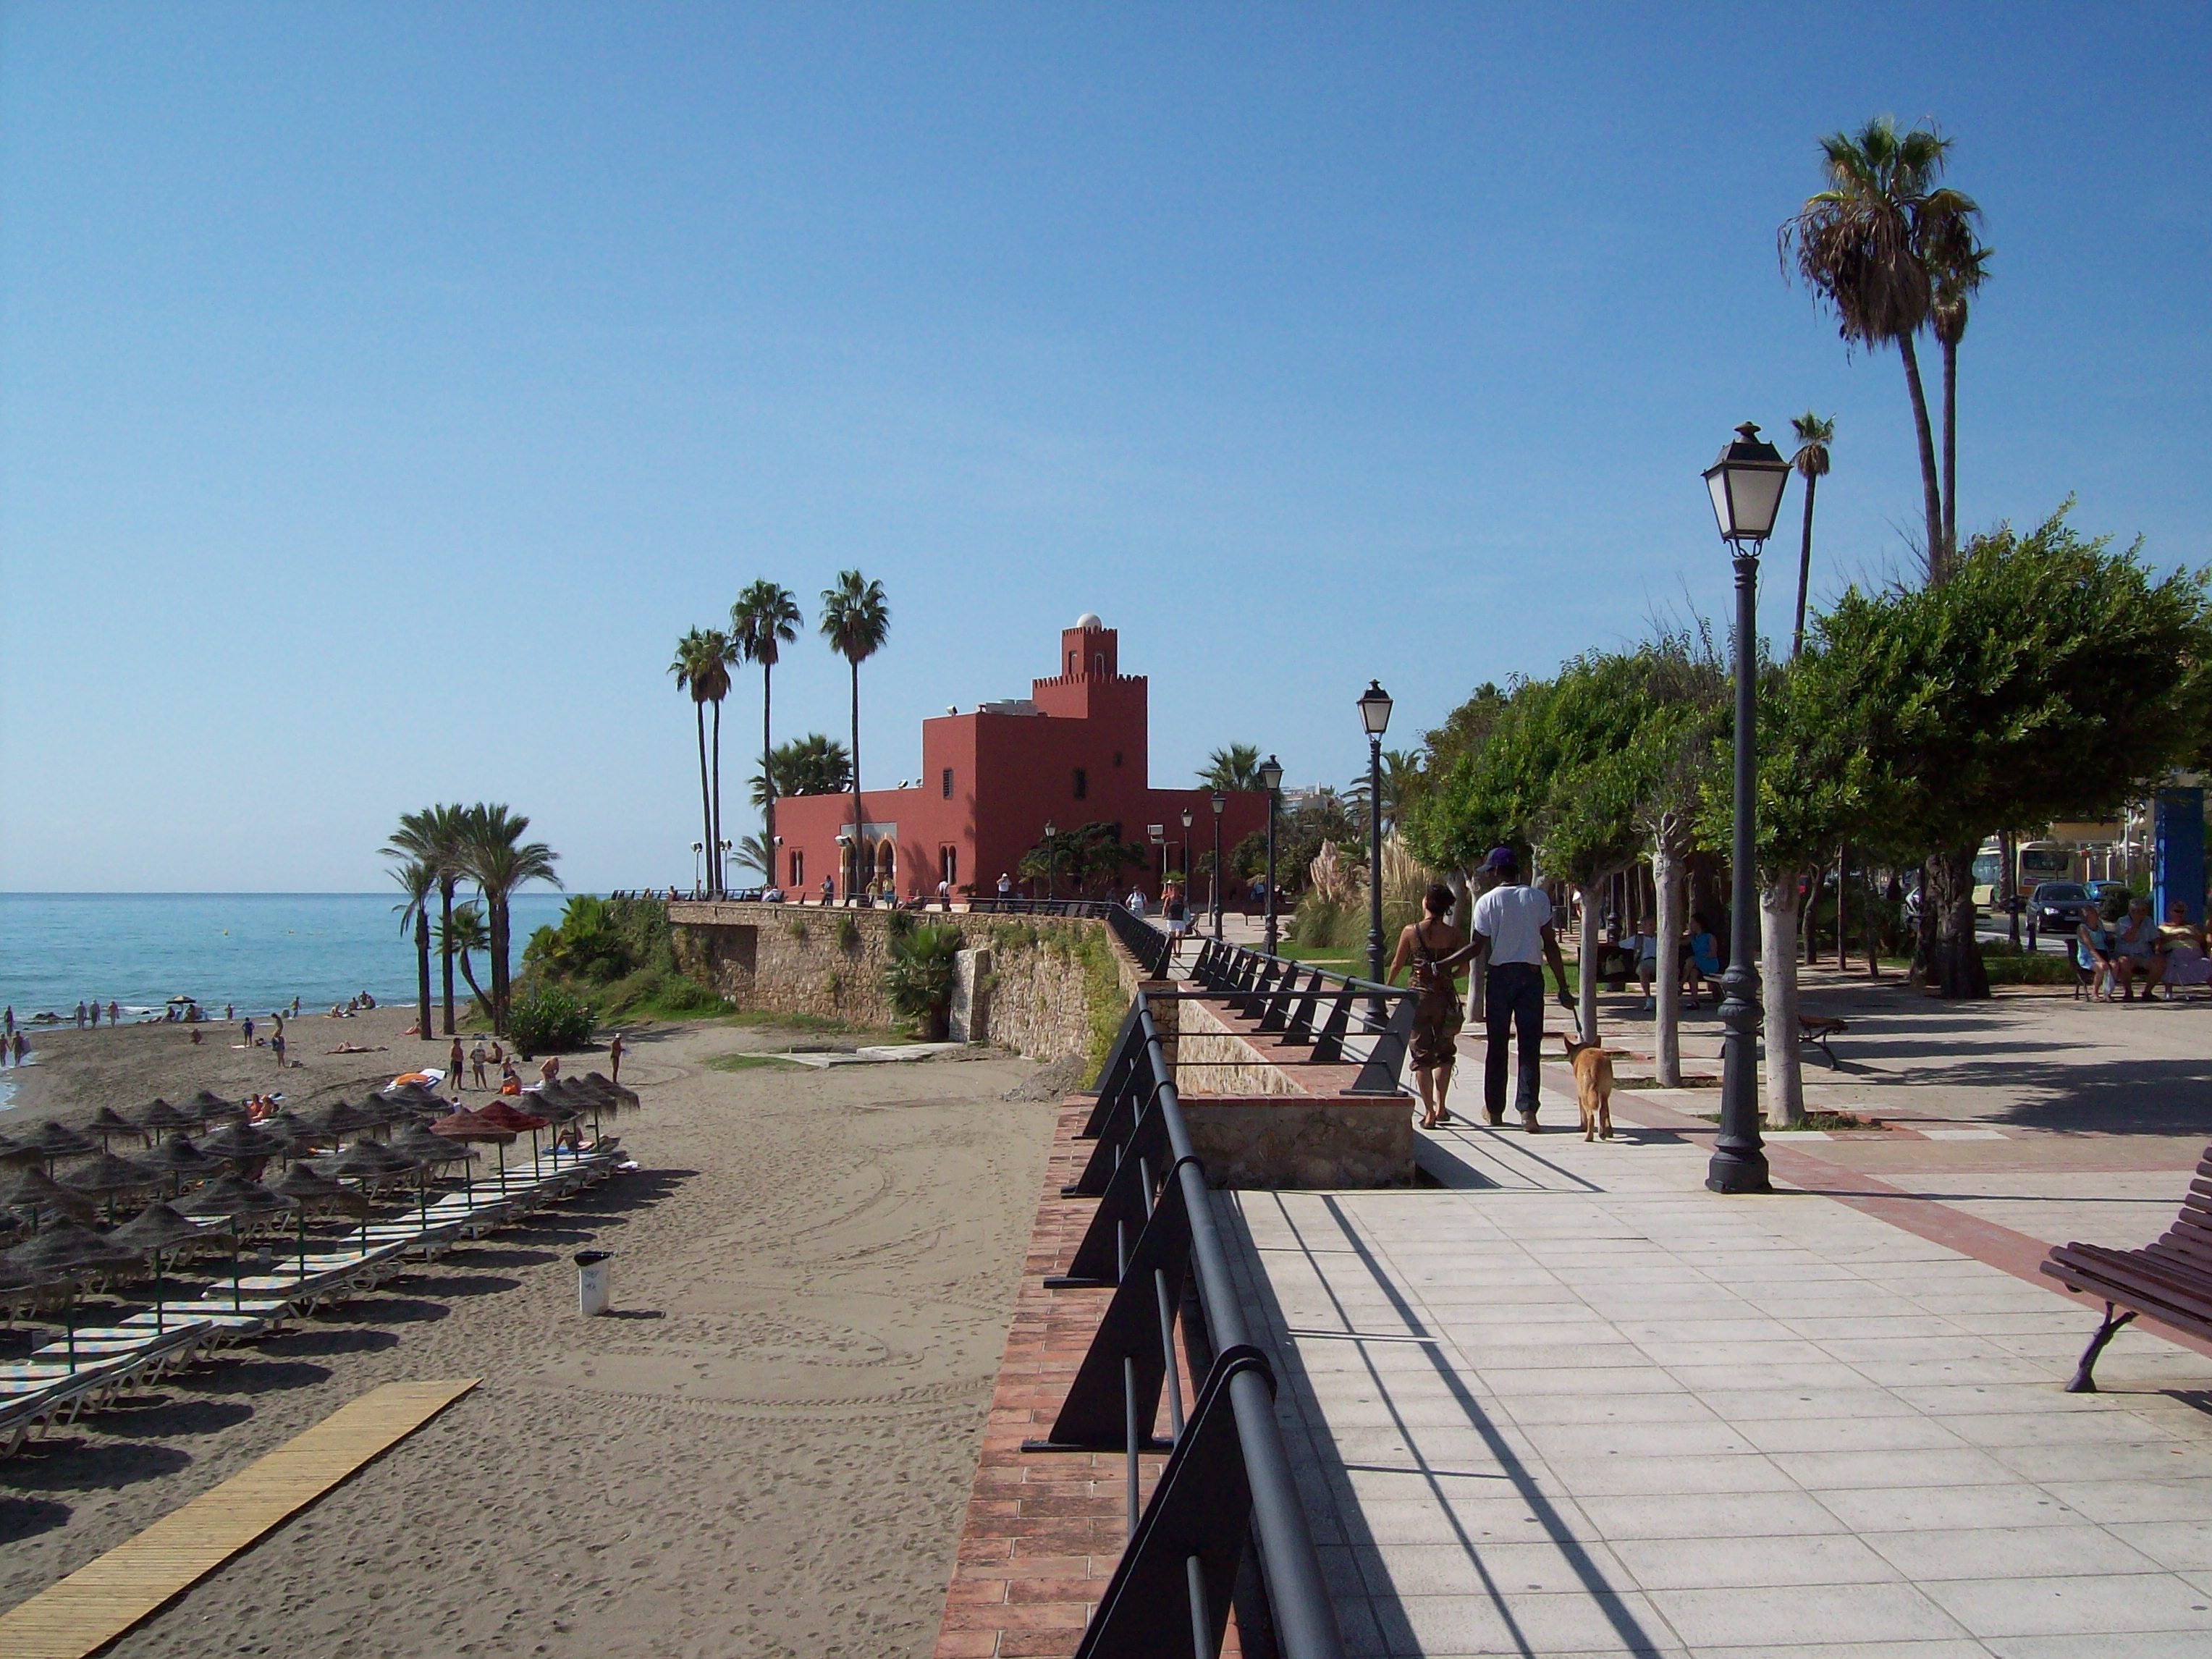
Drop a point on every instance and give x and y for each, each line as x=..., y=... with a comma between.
x=2056, y=907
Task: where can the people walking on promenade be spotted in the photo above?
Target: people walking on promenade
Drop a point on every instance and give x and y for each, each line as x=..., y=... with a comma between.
x=1433, y=948
x=1513, y=923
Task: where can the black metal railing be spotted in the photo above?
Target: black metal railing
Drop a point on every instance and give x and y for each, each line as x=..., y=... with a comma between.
x=1224, y=1527
x=1311, y=1006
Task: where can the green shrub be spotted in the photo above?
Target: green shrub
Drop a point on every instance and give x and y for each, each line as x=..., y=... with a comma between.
x=921, y=975
x=797, y=927
x=900, y=924
x=1317, y=922
x=621, y=955
x=2007, y=966
x=848, y=934
x=544, y=1020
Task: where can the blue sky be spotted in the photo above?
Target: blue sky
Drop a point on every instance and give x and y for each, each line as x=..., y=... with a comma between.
x=383, y=389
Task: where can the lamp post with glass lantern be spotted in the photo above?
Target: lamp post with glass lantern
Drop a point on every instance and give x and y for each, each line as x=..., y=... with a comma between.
x=698, y=882
x=1745, y=484
x=1375, y=715
x=1271, y=779
x=1217, y=800
x=1186, y=861
x=1051, y=856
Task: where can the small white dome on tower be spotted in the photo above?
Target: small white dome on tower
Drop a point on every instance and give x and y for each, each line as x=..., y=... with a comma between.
x=1089, y=621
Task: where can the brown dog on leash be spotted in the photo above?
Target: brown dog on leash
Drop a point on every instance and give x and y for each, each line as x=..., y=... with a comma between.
x=1592, y=1087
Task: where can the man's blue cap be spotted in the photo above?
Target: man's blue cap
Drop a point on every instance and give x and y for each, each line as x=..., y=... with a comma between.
x=1501, y=858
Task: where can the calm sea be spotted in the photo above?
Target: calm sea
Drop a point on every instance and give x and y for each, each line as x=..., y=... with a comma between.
x=252, y=949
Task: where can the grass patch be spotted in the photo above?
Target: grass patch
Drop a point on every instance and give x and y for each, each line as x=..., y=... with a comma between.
x=815, y=1024
x=745, y=1062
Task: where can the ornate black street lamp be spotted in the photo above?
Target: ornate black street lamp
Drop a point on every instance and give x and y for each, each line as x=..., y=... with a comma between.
x=698, y=883
x=1746, y=483
x=1375, y=715
x=1217, y=801
x=1051, y=858
x=1271, y=779
x=1186, y=862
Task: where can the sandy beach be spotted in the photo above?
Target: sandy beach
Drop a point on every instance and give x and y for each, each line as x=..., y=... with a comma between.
x=768, y=1451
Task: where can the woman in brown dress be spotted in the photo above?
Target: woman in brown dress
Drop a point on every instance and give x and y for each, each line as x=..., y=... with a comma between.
x=1434, y=949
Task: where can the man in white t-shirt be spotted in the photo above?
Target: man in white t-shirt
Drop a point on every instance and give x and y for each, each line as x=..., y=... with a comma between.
x=1513, y=923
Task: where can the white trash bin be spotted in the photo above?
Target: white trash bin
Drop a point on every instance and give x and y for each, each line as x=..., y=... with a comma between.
x=594, y=1282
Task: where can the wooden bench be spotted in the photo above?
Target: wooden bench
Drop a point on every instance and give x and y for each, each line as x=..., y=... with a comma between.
x=2170, y=1279
x=1816, y=1029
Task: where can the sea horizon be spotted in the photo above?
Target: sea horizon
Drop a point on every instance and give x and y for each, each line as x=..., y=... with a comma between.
x=250, y=951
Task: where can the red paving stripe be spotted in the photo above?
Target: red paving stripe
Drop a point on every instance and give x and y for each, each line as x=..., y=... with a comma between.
x=1986, y=1241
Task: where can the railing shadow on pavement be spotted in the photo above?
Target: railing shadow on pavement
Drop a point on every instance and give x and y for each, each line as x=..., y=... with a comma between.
x=1332, y=1495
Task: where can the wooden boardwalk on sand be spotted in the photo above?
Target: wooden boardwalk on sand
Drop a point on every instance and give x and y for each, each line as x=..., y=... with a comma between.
x=104, y=1598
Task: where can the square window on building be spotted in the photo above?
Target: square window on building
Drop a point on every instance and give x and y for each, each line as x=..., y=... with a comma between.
x=798, y=869
x=948, y=783
x=1082, y=783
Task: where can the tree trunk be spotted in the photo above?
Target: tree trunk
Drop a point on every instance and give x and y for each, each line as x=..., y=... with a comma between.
x=1667, y=976
x=1932, y=498
x=423, y=970
x=1785, y=1083
x=1950, y=450
x=1586, y=964
x=714, y=847
x=856, y=880
x=468, y=973
x=499, y=978
x=767, y=773
x=1959, y=970
x=1923, y=928
x=1464, y=888
x=706, y=807
x=445, y=944
x=1843, y=933
x=1804, y=567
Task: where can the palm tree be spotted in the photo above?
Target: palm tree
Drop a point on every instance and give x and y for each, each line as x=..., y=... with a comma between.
x=418, y=879
x=1959, y=265
x=765, y=618
x=702, y=667
x=1811, y=461
x=855, y=621
x=498, y=860
x=1860, y=245
x=462, y=931
x=812, y=765
x=432, y=836
x=1235, y=767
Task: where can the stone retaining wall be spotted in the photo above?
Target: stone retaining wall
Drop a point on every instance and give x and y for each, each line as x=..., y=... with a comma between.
x=1044, y=986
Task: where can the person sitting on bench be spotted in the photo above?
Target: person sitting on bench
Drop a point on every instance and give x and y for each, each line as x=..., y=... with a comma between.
x=2138, y=951
x=2093, y=955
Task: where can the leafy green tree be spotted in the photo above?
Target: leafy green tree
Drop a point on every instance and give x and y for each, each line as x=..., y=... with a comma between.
x=762, y=621
x=1861, y=246
x=1814, y=435
x=921, y=975
x=499, y=862
x=1086, y=859
x=812, y=765
x=856, y=621
x=432, y=836
x=1489, y=783
x=2048, y=677
x=1234, y=768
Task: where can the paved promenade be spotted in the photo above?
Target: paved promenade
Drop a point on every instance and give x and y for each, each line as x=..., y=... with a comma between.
x=1568, y=1402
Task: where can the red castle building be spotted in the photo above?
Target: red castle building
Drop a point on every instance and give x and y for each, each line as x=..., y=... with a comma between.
x=1074, y=752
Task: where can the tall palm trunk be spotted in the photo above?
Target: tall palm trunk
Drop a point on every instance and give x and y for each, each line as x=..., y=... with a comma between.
x=499, y=976
x=1666, y=979
x=1804, y=567
x=1950, y=449
x=1932, y=495
x=714, y=839
x=1785, y=1082
x=858, y=815
x=445, y=944
x=422, y=971
x=706, y=801
x=768, y=771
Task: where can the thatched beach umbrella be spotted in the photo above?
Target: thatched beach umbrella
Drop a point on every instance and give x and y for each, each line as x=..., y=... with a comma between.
x=106, y=1175
x=242, y=1143
x=600, y=1080
x=39, y=1199
x=158, y=1117
x=431, y=1152
x=467, y=1126
x=342, y=1118
x=240, y=1201
x=108, y=1123
x=156, y=1231
x=64, y=1254
x=307, y=1190
x=497, y=1114
x=212, y=1108
x=180, y=1161
x=14, y=1154
x=54, y=1141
